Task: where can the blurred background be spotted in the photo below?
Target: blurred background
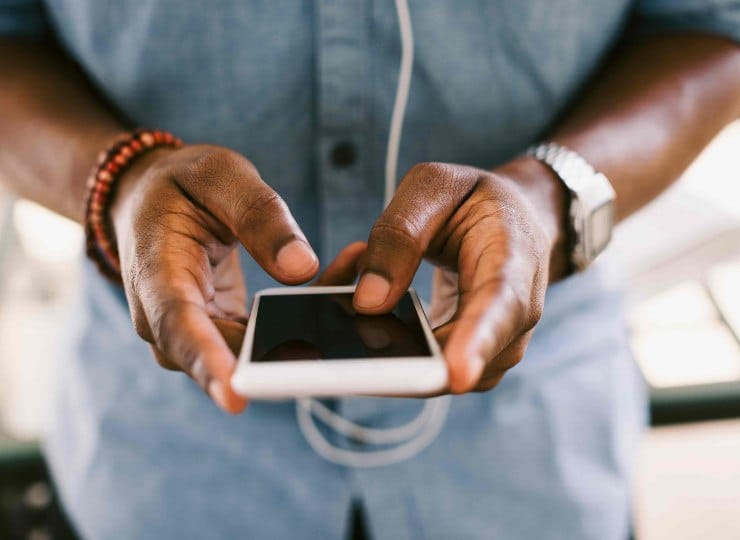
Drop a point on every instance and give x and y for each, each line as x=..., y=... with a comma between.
x=681, y=257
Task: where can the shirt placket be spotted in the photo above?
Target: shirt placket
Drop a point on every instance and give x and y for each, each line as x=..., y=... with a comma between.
x=346, y=207
x=350, y=200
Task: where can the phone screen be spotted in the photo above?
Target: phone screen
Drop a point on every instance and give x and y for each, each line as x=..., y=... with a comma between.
x=325, y=327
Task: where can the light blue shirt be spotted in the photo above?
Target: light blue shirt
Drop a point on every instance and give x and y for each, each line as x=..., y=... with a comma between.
x=139, y=452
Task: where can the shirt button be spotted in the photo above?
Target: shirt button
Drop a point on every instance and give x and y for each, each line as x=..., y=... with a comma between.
x=343, y=154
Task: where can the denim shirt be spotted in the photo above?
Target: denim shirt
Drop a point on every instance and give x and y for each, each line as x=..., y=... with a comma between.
x=305, y=89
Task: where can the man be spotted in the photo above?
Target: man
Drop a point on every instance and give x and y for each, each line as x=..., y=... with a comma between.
x=300, y=94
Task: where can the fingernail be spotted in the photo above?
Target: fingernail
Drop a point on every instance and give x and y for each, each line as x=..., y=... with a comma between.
x=296, y=259
x=372, y=291
x=216, y=391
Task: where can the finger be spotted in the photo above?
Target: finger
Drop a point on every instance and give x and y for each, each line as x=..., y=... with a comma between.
x=232, y=331
x=344, y=268
x=485, y=326
x=499, y=366
x=495, y=368
x=162, y=360
x=230, y=290
x=229, y=187
x=426, y=199
x=444, y=296
x=141, y=325
x=490, y=315
x=187, y=337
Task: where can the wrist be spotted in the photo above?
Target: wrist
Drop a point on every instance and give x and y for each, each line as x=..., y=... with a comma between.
x=123, y=199
x=103, y=183
x=551, y=200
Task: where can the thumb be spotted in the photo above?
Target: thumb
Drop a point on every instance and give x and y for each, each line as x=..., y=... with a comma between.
x=426, y=199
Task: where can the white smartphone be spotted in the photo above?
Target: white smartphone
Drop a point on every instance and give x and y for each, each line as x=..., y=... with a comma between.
x=309, y=341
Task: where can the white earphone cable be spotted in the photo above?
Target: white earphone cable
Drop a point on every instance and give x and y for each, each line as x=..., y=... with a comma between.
x=402, y=97
x=437, y=407
x=364, y=434
x=412, y=437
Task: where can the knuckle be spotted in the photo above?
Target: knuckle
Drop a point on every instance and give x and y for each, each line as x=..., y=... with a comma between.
x=210, y=168
x=418, y=170
x=395, y=227
x=515, y=352
x=535, y=314
x=435, y=177
x=261, y=200
x=161, y=362
x=489, y=381
x=485, y=386
x=527, y=306
x=141, y=325
x=165, y=364
x=426, y=169
x=514, y=358
x=519, y=300
x=385, y=239
x=217, y=158
x=513, y=298
x=256, y=206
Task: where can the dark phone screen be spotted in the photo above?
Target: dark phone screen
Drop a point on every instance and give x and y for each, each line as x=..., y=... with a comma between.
x=325, y=327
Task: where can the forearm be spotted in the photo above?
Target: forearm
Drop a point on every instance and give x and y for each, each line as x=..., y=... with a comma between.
x=53, y=126
x=644, y=118
x=654, y=107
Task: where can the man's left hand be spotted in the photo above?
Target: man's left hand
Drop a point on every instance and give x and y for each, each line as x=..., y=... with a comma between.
x=496, y=238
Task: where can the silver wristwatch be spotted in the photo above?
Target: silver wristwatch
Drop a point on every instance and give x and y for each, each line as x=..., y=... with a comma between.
x=591, y=201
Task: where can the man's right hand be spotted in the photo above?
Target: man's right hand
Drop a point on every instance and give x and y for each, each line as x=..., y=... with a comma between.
x=178, y=216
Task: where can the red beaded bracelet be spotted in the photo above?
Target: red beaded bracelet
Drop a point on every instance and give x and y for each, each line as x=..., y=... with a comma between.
x=101, y=186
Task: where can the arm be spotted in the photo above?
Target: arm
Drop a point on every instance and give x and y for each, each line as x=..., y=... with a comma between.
x=644, y=119
x=177, y=214
x=54, y=126
x=498, y=235
x=652, y=110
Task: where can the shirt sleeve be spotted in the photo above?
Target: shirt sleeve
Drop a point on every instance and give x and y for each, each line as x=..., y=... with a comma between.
x=719, y=17
x=22, y=18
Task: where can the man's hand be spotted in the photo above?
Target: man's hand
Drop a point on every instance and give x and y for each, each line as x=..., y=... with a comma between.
x=178, y=216
x=495, y=238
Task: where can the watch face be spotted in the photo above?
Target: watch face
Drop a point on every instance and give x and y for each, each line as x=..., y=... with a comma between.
x=602, y=221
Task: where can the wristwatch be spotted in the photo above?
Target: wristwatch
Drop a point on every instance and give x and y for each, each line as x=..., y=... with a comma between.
x=592, y=199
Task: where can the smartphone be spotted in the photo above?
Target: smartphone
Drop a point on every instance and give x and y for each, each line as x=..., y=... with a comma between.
x=309, y=341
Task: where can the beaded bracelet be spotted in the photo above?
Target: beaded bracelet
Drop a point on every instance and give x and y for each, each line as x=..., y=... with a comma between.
x=101, y=186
